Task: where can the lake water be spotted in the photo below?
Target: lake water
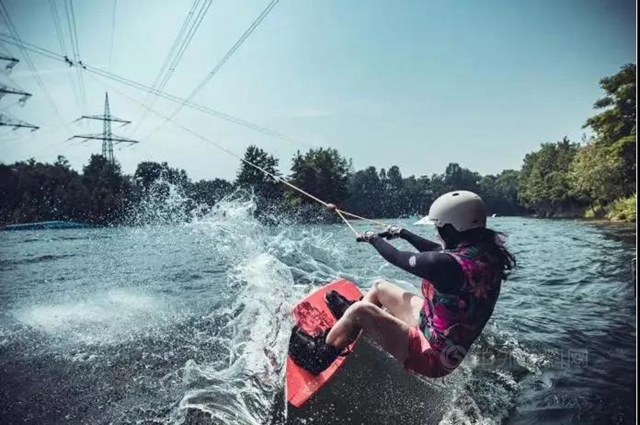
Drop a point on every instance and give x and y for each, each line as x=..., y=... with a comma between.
x=181, y=323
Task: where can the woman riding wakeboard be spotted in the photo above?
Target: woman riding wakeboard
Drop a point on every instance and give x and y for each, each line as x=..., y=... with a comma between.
x=428, y=334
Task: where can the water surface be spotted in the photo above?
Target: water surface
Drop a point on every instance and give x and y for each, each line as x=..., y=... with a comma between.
x=182, y=323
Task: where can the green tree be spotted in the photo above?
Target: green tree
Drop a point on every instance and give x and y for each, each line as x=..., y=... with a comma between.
x=506, y=186
x=458, y=178
x=62, y=162
x=596, y=176
x=418, y=196
x=615, y=126
x=33, y=191
x=150, y=175
x=109, y=190
x=543, y=184
x=396, y=196
x=251, y=178
x=384, y=202
x=321, y=172
x=365, y=193
x=210, y=192
x=500, y=193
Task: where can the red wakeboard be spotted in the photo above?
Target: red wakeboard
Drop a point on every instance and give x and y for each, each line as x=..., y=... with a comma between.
x=313, y=316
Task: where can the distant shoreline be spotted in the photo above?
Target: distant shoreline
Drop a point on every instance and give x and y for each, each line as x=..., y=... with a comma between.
x=599, y=221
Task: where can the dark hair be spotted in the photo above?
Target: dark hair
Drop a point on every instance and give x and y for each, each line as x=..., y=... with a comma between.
x=489, y=242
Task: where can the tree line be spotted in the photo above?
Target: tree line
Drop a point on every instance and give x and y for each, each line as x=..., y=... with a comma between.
x=102, y=194
x=564, y=178
x=597, y=177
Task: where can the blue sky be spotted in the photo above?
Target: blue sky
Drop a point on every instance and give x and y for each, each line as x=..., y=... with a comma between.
x=416, y=84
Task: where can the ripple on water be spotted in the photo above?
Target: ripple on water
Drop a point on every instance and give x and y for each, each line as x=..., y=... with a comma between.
x=157, y=322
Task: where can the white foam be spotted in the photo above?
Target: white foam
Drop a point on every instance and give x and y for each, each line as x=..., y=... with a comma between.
x=235, y=390
x=103, y=317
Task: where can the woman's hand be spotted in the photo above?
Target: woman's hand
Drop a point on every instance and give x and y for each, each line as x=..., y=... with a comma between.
x=366, y=236
x=391, y=232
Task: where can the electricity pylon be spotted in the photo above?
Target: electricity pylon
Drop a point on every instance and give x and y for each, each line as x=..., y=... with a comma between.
x=4, y=90
x=107, y=137
x=11, y=62
x=6, y=120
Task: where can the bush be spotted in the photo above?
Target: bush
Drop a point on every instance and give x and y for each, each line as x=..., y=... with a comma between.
x=624, y=209
x=595, y=212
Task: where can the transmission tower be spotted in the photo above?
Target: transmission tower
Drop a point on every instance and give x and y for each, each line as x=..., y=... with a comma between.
x=4, y=90
x=11, y=62
x=107, y=137
x=5, y=119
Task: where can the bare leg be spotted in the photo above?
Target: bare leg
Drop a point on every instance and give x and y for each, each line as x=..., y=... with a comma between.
x=404, y=305
x=388, y=328
x=390, y=332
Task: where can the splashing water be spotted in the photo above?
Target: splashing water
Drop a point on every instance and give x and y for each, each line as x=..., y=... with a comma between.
x=255, y=335
x=185, y=318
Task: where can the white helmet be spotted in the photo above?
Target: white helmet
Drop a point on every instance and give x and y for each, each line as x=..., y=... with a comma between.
x=462, y=209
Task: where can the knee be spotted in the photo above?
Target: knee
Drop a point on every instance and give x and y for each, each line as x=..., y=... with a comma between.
x=361, y=310
x=379, y=285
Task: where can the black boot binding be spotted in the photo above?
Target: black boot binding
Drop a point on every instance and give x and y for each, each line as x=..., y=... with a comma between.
x=337, y=303
x=311, y=353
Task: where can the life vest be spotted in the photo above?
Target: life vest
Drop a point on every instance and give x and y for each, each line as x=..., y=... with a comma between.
x=456, y=320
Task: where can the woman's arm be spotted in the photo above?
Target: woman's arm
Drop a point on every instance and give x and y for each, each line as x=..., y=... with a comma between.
x=441, y=269
x=420, y=243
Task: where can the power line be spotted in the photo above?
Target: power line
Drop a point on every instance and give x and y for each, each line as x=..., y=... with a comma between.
x=202, y=108
x=183, y=48
x=178, y=42
x=58, y=26
x=341, y=213
x=10, y=39
x=75, y=49
x=190, y=33
x=189, y=26
x=139, y=86
x=235, y=47
x=63, y=47
x=222, y=61
x=113, y=31
x=7, y=18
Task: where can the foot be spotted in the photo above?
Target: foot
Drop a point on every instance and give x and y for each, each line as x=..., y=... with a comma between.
x=311, y=353
x=337, y=303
